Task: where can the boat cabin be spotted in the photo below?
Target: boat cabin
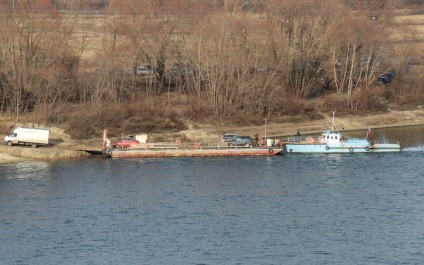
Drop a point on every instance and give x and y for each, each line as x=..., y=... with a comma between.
x=331, y=137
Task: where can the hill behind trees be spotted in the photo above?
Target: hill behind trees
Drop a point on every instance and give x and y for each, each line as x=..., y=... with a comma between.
x=210, y=60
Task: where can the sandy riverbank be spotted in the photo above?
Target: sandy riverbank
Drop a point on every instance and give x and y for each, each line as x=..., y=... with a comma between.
x=26, y=153
x=64, y=147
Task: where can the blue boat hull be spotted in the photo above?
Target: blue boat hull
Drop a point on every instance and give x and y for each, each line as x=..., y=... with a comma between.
x=311, y=148
x=332, y=141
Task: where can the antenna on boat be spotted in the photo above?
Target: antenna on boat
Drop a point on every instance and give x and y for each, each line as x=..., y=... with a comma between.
x=332, y=128
x=265, y=132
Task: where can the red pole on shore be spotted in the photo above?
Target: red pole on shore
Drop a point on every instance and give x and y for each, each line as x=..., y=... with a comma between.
x=104, y=139
x=266, y=144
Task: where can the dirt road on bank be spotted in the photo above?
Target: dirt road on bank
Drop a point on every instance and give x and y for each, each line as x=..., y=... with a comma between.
x=63, y=147
x=347, y=122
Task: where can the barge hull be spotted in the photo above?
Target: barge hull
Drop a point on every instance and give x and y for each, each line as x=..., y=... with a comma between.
x=135, y=153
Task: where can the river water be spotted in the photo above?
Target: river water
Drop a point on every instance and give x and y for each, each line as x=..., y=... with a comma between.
x=293, y=209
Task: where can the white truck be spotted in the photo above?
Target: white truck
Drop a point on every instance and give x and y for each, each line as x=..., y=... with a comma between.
x=28, y=136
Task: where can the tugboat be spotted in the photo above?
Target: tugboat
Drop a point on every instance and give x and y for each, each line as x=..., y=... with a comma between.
x=332, y=141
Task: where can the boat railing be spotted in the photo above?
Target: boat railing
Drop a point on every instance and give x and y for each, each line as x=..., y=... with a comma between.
x=156, y=146
x=306, y=139
x=196, y=145
x=295, y=139
x=213, y=145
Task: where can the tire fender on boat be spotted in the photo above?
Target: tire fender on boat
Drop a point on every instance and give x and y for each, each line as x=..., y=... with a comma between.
x=327, y=148
x=108, y=151
x=351, y=149
x=196, y=145
x=367, y=148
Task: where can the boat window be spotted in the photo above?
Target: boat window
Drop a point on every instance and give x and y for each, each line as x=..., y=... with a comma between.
x=335, y=137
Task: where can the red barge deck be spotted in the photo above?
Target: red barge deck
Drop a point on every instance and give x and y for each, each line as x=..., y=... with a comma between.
x=201, y=152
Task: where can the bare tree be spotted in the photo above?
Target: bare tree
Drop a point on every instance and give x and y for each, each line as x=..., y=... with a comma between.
x=356, y=55
x=301, y=40
x=36, y=40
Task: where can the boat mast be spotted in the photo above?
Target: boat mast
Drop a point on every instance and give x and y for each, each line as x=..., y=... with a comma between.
x=332, y=128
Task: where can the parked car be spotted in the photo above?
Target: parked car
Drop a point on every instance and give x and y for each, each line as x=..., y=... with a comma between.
x=228, y=137
x=386, y=77
x=143, y=70
x=125, y=143
x=241, y=141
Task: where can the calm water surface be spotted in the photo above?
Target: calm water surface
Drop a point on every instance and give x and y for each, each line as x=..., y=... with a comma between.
x=294, y=209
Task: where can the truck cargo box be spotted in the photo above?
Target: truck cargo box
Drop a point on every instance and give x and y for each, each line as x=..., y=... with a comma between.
x=28, y=136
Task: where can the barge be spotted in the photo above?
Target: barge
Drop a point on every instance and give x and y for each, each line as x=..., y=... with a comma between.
x=142, y=149
x=189, y=152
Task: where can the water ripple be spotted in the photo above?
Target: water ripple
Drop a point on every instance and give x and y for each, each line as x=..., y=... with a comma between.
x=294, y=209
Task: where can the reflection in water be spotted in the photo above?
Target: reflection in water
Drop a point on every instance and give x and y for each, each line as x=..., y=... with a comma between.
x=25, y=170
x=294, y=209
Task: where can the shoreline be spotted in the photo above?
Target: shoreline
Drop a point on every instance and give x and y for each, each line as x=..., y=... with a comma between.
x=70, y=149
x=12, y=154
x=8, y=157
x=54, y=153
x=5, y=159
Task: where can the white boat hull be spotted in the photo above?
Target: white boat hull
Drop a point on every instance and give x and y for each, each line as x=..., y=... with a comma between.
x=310, y=148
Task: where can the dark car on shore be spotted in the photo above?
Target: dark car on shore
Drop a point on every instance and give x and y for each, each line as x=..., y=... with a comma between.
x=386, y=77
x=245, y=141
x=228, y=137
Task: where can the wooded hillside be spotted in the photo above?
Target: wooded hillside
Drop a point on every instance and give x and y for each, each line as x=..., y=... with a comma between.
x=212, y=60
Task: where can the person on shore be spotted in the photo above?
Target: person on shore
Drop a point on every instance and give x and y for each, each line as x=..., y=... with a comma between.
x=298, y=136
